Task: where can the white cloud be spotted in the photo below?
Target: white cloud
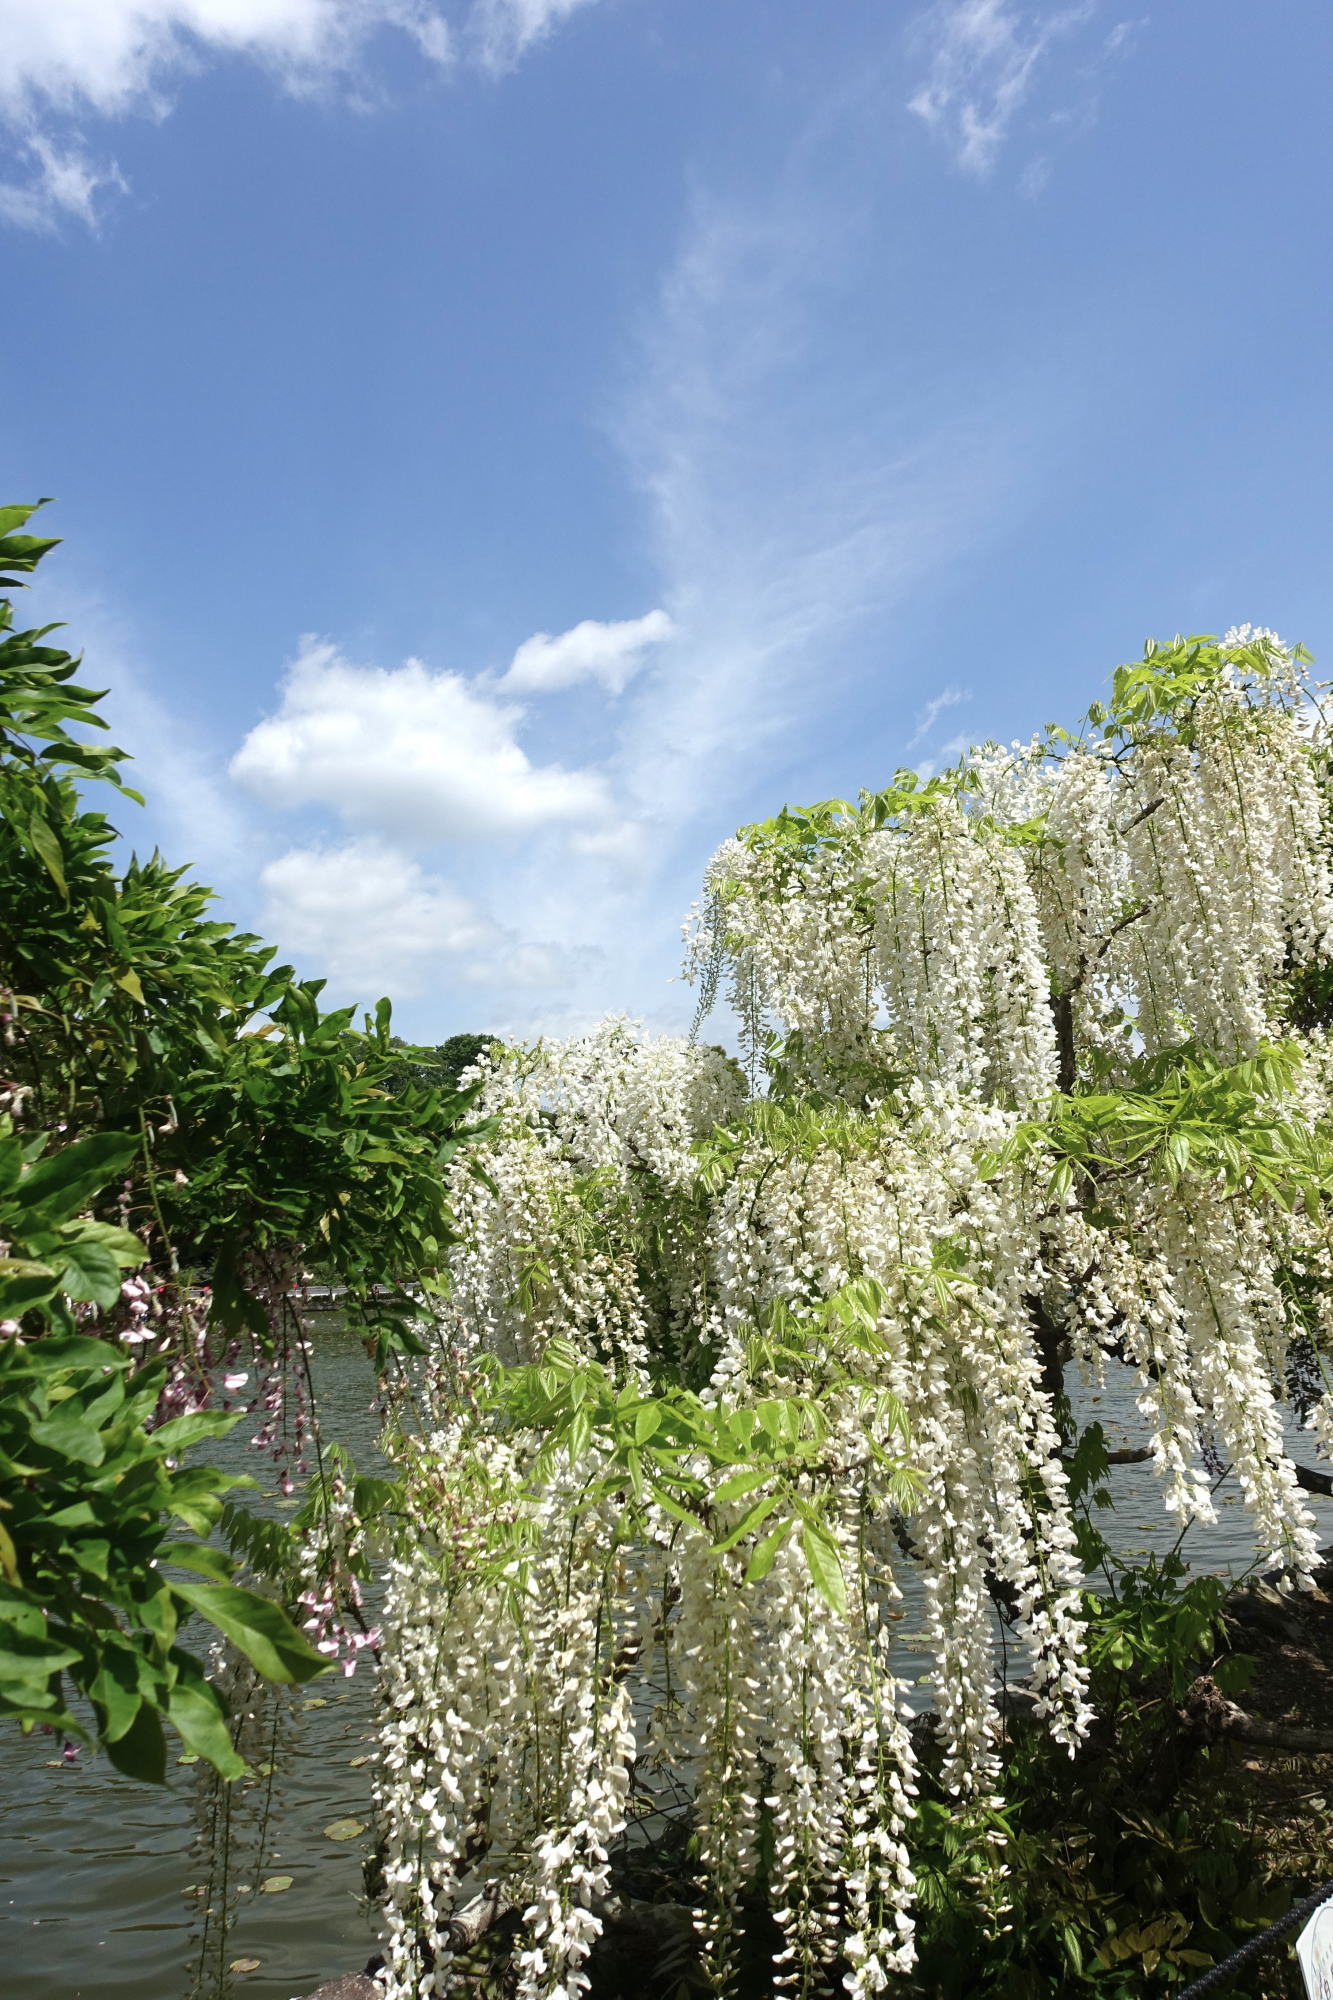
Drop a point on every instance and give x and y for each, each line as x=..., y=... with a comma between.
x=610, y=653
x=984, y=59
x=504, y=30
x=413, y=754
x=64, y=184
x=944, y=756
x=373, y=920
x=787, y=518
x=948, y=697
x=118, y=56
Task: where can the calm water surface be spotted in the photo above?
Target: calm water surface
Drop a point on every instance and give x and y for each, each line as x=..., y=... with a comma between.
x=104, y=1884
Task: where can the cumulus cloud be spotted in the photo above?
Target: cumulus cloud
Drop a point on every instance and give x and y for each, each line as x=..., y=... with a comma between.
x=414, y=754
x=117, y=56
x=63, y=185
x=374, y=920
x=610, y=653
x=114, y=58
x=984, y=57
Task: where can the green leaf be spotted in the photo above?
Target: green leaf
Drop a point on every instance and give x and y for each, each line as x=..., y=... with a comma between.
x=646, y=1421
x=741, y=1483
x=748, y=1522
x=46, y=846
x=261, y=1629
x=761, y=1562
x=199, y=1720
x=68, y=1177
x=825, y=1565
x=67, y=1435
x=89, y=1271
x=343, y=1829
x=142, y=1751
x=173, y=1437
x=202, y=1559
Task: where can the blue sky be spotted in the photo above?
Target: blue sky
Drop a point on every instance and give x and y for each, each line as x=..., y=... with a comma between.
x=829, y=385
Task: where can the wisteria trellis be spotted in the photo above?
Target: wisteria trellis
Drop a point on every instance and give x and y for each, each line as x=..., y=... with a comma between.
x=1034, y=1075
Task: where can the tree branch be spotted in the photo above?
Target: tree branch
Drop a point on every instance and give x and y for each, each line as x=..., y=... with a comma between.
x=1105, y=944
x=1139, y=817
x=1209, y=1715
x=475, y=1918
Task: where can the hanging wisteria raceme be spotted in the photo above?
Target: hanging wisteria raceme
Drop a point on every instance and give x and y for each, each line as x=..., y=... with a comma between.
x=1038, y=1078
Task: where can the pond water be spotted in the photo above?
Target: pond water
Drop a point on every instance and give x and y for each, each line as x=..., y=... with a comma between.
x=111, y=1890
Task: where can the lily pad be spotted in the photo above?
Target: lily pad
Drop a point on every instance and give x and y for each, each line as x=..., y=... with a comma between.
x=244, y=1965
x=273, y=1885
x=357, y=1762
x=343, y=1829
x=315, y=1701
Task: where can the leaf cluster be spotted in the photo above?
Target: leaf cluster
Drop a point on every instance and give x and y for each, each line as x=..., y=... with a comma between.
x=91, y=1494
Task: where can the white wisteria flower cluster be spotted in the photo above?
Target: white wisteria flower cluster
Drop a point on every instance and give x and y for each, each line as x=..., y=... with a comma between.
x=1035, y=1074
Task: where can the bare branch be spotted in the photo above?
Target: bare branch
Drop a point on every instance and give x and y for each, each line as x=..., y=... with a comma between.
x=1139, y=817
x=475, y=1918
x=1210, y=1715
x=1113, y=934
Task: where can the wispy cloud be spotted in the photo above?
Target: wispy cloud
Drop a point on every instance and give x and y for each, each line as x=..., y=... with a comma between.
x=62, y=185
x=785, y=521
x=984, y=59
x=948, y=697
x=945, y=755
x=795, y=496
x=503, y=31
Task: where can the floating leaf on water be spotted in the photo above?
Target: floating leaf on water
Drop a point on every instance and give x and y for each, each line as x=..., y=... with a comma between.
x=191, y=1759
x=343, y=1829
x=273, y=1885
x=244, y=1965
x=245, y=1888
x=315, y=1701
x=357, y=1762
x=264, y=1770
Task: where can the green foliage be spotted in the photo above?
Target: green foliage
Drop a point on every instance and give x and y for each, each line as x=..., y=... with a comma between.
x=442, y=1066
x=181, y=1105
x=696, y=1458
x=89, y=1497
x=1129, y=1869
x=1229, y=1125
x=262, y=1121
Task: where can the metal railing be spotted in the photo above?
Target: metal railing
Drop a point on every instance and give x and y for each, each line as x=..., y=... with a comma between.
x=1222, y=1974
